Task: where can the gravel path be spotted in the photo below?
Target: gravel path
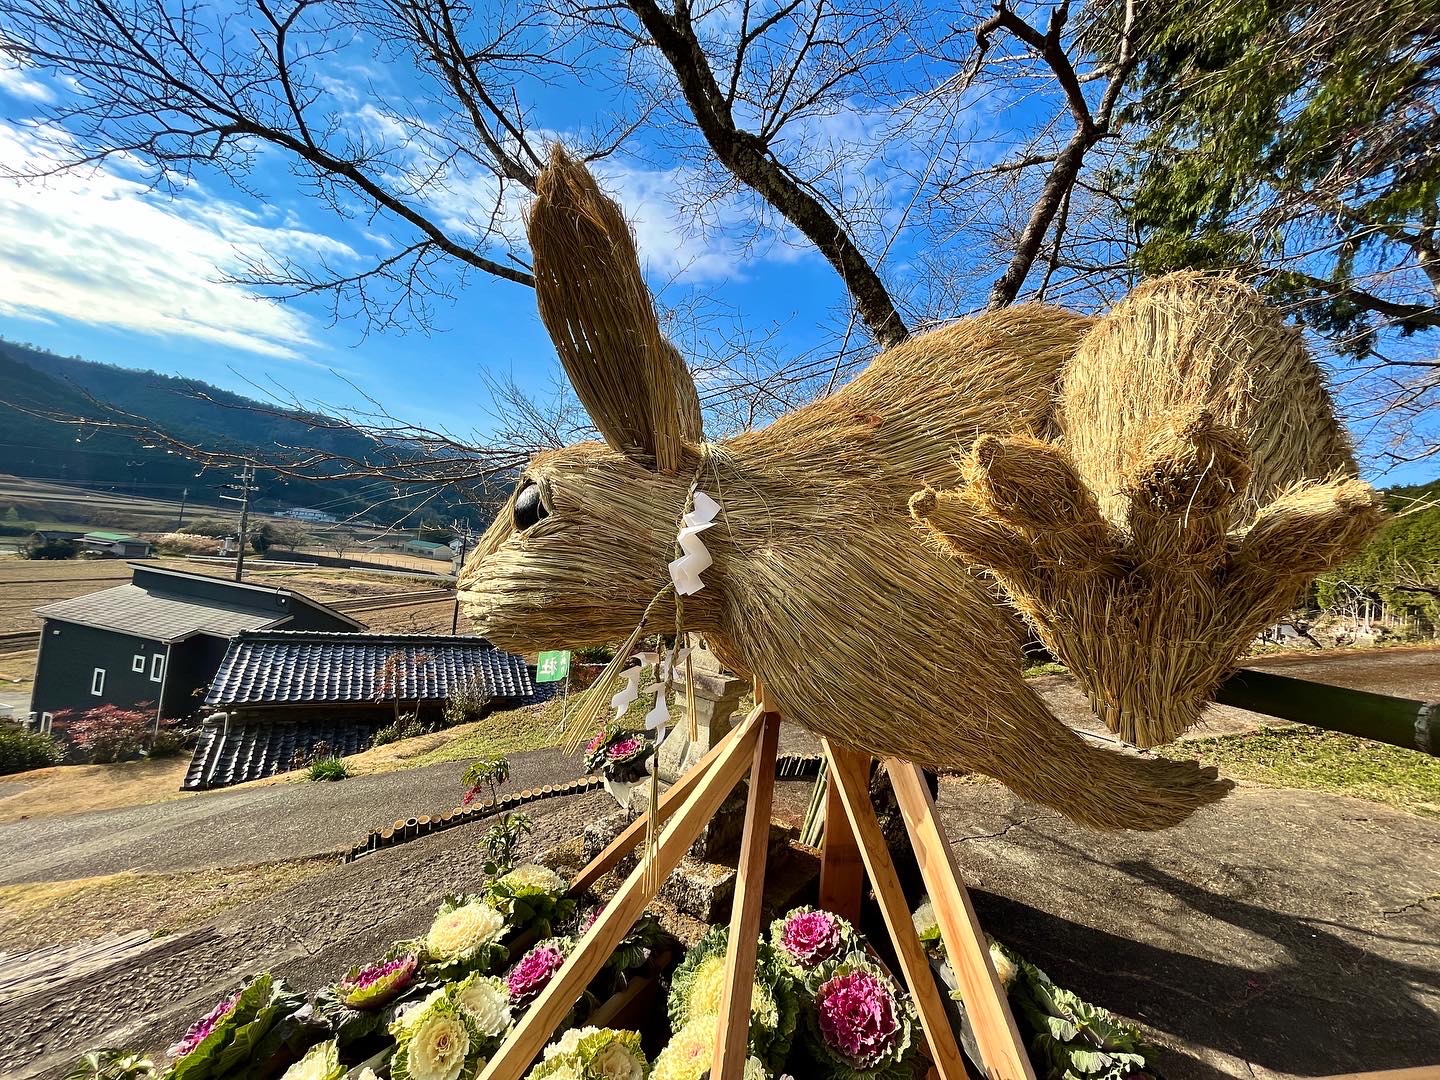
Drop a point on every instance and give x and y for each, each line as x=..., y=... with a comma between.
x=309, y=934
x=247, y=824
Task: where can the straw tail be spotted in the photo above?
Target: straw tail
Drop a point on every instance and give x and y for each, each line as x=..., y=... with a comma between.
x=1104, y=789
x=599, y=312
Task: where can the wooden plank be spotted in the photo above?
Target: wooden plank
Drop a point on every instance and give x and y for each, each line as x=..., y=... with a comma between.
x=540, y=1021
x=623, y=844
x=996, y=1035
x=850, y=776
x=842, y=874
x=733, y=1031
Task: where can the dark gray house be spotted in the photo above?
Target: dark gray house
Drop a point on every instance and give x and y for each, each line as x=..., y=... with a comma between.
x=280, y=694
x=159, y=639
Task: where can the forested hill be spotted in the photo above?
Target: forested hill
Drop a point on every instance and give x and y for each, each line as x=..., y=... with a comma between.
x=41, y=449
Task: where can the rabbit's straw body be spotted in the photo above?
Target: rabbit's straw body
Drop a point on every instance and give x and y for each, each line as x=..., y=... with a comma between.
x=862, y=629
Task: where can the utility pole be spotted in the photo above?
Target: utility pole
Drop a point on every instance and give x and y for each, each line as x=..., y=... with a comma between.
x=246, y=489
x=184, y=496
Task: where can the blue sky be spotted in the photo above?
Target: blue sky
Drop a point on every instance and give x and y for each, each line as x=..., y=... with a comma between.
x=100, y=266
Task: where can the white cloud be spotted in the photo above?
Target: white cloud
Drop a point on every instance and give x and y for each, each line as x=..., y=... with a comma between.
x=98, y=247
x=18, y=83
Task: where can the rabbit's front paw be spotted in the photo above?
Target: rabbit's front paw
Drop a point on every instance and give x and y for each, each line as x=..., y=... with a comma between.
x=1148, y=594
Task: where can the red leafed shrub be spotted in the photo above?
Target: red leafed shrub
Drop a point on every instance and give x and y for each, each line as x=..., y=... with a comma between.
x=110, y=732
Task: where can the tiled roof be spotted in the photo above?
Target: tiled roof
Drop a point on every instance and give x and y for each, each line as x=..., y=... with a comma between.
x=254, y=749
x=280, y=667
x=130, y=609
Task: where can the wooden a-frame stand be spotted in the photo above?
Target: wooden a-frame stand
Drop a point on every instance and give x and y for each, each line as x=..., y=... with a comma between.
x=853, y=845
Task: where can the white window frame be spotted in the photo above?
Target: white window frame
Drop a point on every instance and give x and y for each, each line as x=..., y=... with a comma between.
x=157, y=667
x=45, y=722
x=97, y=682
x=138, y=663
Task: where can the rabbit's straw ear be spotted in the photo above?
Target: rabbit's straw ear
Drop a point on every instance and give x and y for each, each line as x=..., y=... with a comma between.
x=600, y=314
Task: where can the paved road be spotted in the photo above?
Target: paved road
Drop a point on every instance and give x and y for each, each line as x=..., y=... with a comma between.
x=247, y=824
x=251, y=824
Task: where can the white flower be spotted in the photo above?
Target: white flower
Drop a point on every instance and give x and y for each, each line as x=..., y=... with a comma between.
x=568, y=1043
x=487, y=1001
x=321, y=1062
x=535, y=876
x=407, y=1016
x=617, y=1062
x=459, y=933
x=924, y=918
x=367, y=1073
x=437, y=1047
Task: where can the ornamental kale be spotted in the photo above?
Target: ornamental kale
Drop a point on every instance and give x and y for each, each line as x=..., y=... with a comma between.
x=532, y=895
x=698, y=983
x=813, y=942
x=533, y=971
x=861, y=1025
x=236, y=1033
x=619, y=755
x=464, y=937
x=592, y=1054
x=1070, y=1038
x=375, y=985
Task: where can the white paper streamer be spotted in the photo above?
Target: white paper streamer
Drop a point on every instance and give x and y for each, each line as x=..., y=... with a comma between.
x=685, y=571
x=630, y=692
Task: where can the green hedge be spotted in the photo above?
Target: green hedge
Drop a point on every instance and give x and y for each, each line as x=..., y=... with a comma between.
x=21, y=750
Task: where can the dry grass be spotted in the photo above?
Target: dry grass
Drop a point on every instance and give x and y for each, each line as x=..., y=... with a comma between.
x=433, y=617
x=17, y=671
x=68, y=912
x=73, y=789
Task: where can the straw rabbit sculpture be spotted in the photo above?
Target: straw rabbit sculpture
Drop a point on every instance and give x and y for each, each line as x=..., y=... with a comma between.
x=1200, y=483
x=863, y=630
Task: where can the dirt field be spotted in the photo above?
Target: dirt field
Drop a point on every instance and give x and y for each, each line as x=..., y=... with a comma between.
x=26, y=585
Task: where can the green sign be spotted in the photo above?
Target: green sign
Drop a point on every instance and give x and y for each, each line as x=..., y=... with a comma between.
x=552, y=666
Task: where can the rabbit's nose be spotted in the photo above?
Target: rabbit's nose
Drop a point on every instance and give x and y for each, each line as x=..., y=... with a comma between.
x=529, y=508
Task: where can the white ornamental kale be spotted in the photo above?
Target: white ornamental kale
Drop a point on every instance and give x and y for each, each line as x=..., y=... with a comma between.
x=321, y=1062
x=465, y=937
x=436, y=1042
x=593, y=1054
x=487, y=999
x=533, y=878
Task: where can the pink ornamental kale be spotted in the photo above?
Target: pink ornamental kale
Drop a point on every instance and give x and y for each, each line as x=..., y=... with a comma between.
x=533, y=973
x=858, y=1017
x=624, y=748
x=202, y=1027
x=813, y=937
x=376, y=984
x=595, y=743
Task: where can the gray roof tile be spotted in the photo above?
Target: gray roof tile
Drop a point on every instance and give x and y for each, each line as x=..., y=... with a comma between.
x=279, y=667
x=130, y=609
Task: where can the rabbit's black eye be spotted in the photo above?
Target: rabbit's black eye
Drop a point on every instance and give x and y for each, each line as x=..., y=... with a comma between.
x=529, y=509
